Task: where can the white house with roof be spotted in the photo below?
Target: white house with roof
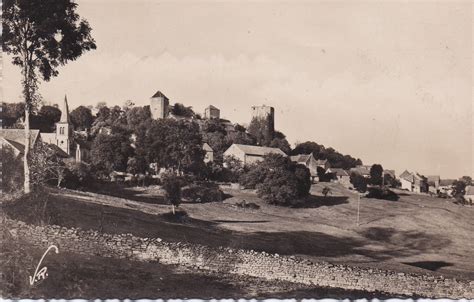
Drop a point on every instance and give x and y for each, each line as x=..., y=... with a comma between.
x=340, y=176
x=310, y=162
x=469, y=196
x=413, y=182
x=248, y=154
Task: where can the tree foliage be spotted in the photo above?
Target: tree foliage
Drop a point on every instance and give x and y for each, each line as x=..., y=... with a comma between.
x=180, y=110
x=110, y=152
x=336, y=159
x=278, y=180
x=359, y=182
x=47, y=166
x=376, y=174
x=173, y=184
x=261, y=130
x=41, y=35
x=11, y=112
x=172, y=144
x=81, y=118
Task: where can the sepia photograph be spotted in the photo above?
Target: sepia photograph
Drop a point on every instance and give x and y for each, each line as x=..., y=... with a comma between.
x=224, y=149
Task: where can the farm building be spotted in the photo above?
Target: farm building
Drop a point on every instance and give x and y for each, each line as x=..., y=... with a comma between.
x=250, y=154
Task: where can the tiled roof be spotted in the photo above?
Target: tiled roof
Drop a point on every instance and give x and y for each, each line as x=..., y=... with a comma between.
x=301, y=158
x=321, y=162
x=206, y=147
x=258, y=150
x=446, y=182
x=338, y=171
x=433, y=178
x=212, y=107
x=407, y=176
x=17, y=146
x=18, y=135
x=159, y=94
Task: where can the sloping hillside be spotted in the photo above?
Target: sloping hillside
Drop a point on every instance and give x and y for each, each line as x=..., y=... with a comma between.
x=417, y=233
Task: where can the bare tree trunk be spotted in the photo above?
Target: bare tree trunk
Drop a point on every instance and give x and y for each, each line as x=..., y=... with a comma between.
x=26, y=167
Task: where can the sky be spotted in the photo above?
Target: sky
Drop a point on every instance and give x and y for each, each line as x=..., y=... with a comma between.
x=387, y=82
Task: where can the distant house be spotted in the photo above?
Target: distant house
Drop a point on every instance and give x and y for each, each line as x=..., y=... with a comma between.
x=250, y=154
x=446, y=186
x=406, y=180
x=363, y=170
x=340, y=176
x=433, y=183
x=469, y=196
x=209, y=156
x=311, y=163
x=413, y=182
x=212, y=112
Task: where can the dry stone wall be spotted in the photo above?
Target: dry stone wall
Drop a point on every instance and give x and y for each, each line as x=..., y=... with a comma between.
x=242, y=262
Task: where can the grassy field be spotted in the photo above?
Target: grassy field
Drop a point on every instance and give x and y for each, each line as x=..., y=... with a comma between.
x=418, y=233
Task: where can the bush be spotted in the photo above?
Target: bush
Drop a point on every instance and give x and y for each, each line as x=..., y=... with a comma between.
x=359, y=182
x=77, y=175
x=253, y=176
x=172, y=184
x=382, y=193
x=202, y=192
x=278, y=180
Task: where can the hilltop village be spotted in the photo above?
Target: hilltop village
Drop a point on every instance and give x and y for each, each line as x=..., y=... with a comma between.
x=106, y=177
x=72, y=139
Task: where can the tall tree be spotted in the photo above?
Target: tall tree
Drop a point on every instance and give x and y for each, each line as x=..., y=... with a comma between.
x=82, y=118
x=172, y=144
x=41, y=35
x=376, y=174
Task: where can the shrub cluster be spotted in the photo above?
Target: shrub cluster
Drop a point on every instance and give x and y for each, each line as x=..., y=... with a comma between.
x=382, y=193
x=202, y=192
x=278, y=180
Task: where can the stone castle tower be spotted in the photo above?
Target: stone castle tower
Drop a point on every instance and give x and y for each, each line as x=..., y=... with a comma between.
x=63, y=129
x=266, y=113
x=159, y=106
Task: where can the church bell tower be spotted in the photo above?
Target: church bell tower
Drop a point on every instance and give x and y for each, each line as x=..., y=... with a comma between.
x=63, y=129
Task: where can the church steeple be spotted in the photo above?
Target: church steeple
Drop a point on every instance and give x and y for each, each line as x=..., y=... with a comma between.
x=64, y=129
x=64, y=112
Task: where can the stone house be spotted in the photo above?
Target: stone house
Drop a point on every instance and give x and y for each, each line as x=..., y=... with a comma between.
x=433, y=183
x=469, y=196
x=446, y=186
x=413, y=182
x=340, y=176
x=308, y=161
x=248, y=154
